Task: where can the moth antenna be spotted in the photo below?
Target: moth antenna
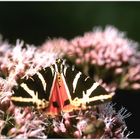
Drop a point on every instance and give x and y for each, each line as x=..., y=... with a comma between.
x=64, y=62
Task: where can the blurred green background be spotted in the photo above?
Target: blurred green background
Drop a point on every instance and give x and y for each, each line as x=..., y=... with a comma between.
x=36, y=21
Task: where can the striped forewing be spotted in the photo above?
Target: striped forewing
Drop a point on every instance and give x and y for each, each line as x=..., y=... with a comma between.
x=37, y=86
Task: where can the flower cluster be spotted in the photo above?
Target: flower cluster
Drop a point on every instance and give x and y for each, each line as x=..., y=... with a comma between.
x=22, y=123
x=106, y=55
x=101, y=121
x=108, y=48
x=24, y=60
x=58, y=45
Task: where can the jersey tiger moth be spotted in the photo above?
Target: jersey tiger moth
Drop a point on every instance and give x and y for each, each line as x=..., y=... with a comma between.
x=59, y=88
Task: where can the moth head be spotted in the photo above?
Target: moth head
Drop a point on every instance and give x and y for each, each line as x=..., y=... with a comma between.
x=59, y=65
x=59, y=61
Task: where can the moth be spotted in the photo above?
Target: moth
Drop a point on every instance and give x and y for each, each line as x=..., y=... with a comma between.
x=59, y=88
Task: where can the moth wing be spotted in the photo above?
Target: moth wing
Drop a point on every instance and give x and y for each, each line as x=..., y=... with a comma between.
x=84, y=89
x=35, y=90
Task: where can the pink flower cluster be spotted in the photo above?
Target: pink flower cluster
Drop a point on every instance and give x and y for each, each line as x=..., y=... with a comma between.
x=91, y=124
x=108, y=48
x=22, y=123
x=15, y=61
x=58, y=45
x=106, y=55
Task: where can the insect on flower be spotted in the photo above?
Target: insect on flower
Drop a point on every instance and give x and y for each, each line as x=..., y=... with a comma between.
x=59, y=88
